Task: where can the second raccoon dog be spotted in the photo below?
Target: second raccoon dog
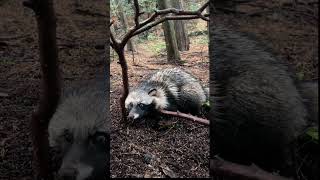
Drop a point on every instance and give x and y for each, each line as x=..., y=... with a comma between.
x=170, y=89
x=79, y=130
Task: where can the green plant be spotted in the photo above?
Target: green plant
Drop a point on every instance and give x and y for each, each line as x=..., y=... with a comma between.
x=202, y=39
x=6, y=62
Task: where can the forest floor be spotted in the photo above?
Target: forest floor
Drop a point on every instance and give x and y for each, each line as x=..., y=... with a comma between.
x=174, y=148
x=81, y=33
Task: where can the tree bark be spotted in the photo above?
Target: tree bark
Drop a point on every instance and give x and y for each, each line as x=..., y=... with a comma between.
x=173, y=54
x=183, y=41
x=50, y=83
x=125, y=82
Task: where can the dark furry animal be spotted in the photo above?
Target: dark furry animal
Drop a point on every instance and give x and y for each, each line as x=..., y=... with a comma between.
x=79, y=130
x=257, y=109
x=171, y=89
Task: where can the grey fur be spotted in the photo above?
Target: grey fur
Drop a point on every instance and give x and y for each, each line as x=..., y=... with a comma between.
x=80, y=131
x=257, y=111
x=174, y=89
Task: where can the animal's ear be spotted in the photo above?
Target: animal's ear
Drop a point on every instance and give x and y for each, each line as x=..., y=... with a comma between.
x=153, y=92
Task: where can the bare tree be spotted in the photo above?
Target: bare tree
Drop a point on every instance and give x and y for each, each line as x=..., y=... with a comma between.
x=50, y=84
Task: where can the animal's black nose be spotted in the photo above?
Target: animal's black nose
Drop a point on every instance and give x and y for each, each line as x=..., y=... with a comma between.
x=133, y=116
x=130, y=117
x=68, y=173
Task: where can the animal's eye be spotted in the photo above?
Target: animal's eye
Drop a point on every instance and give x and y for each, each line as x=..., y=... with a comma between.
x=100, y=138
x=68, y=136
x=130, y=105
x=141, y=105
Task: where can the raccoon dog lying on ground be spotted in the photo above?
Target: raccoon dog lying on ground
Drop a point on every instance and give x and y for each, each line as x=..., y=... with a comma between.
x=170, y=89
x=79, y=130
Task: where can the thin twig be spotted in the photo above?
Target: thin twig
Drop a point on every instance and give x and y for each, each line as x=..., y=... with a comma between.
x=187, y=116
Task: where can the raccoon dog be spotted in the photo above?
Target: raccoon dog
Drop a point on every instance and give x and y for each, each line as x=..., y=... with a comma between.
x=78, y=129
x=170, y=89
x=258, y=111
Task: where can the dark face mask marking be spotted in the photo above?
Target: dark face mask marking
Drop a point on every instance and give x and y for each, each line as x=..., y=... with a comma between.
x=92, y=153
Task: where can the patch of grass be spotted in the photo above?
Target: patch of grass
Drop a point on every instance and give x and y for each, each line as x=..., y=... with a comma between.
x=300, y=75
x=151, y=37
x=313, y=134
x=6, y=61
x=201, y=40
x=156, y=46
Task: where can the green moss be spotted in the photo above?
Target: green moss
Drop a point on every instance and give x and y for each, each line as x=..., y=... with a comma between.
x=313, y=133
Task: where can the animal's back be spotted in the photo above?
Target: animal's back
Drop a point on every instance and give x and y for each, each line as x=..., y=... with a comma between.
x=175, y=76
x=188, y=92
x=258, y=112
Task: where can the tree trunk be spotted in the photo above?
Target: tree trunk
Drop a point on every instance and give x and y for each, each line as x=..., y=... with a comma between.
x=50, y=84
x=183, y=41
x=173, y=54
x=125, y=81
x=124, y=20
x=208, y=24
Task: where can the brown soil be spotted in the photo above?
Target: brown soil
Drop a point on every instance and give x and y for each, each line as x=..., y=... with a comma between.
x=80, y=37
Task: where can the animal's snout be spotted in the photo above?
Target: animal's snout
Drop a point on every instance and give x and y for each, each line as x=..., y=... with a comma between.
x=68, y=173
x=133, y=116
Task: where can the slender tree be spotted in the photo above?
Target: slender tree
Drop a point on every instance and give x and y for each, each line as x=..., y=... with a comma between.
x=183, y=41
x=173, y=54
x=50, y=85
x=124, y=20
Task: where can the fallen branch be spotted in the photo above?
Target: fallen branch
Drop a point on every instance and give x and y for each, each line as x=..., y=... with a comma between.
x=224, y=168
x=187, y=116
